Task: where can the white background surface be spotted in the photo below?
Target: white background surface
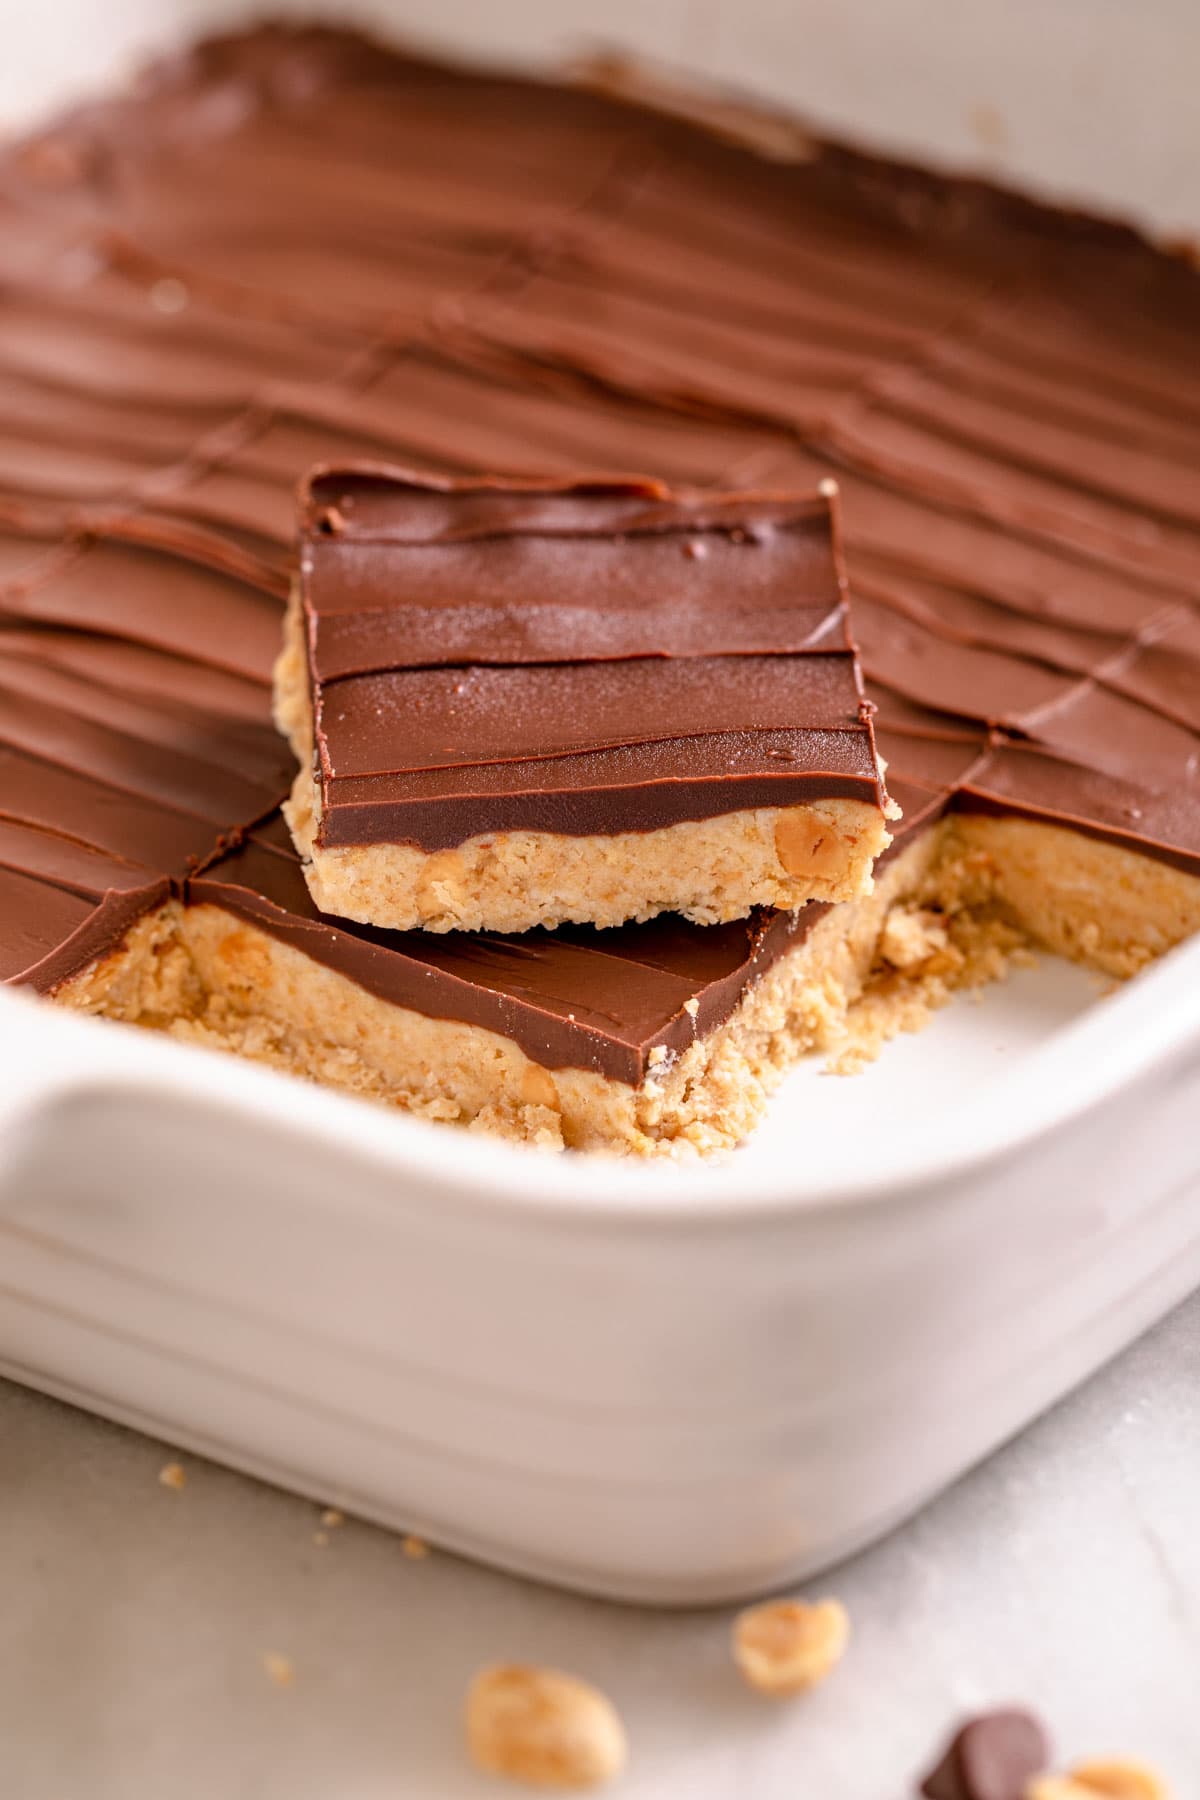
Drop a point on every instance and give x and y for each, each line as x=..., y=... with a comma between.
x=134, y=1620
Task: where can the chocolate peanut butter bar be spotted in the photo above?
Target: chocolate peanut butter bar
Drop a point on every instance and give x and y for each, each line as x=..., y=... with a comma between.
x=467, y=271
x=520, y=703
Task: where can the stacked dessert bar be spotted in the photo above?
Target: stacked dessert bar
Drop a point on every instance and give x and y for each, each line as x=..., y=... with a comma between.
x=297, y=248
x=519, y=703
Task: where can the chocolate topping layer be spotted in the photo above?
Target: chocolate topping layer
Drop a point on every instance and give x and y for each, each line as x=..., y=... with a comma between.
x=293, y=246
x=572, y=998
x=584, y=656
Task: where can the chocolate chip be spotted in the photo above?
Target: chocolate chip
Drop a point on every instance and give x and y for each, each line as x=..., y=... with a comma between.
x=993, y=1757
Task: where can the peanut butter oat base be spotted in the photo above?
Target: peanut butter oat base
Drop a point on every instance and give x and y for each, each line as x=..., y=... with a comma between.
x=709, y=870
x=951, y=911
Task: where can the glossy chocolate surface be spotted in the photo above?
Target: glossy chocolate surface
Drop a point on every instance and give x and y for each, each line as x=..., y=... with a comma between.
x=571, y=656
x=293, y=247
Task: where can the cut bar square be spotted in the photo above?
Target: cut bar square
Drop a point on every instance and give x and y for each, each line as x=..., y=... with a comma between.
x=520, y=703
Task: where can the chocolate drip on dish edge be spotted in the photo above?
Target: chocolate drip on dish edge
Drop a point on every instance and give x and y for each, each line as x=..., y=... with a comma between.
x=293, y=246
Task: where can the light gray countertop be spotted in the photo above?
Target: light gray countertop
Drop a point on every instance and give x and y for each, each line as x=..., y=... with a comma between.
x=135, y=1620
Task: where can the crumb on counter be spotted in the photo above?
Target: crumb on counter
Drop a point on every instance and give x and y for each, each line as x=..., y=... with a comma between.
x=1102, y=1778
x=279, y=1669
x=543, y=1727
x=787, y=1646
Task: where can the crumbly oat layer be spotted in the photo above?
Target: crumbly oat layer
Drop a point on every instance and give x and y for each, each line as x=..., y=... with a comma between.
x=149, y=980
x=709, y=870
x=1091, y=901
x=951, y=911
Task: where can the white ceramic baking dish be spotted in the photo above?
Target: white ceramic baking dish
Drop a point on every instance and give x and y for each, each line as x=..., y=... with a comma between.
x=664, y=1385
x=669, y=1385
